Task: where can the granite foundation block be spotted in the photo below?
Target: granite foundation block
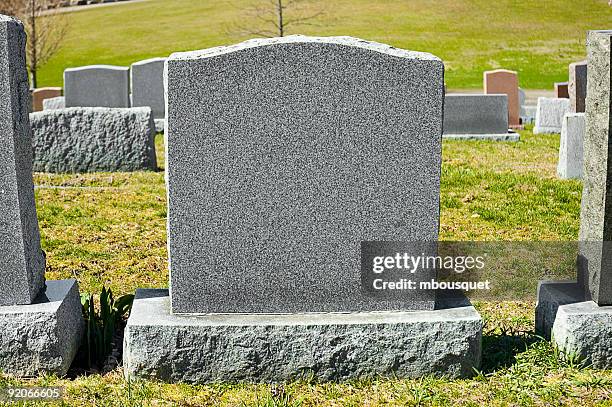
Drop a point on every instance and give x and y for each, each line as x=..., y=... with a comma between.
x=549, y=115
x=54, y=103
x=571, y=147
x=509, y=136
x=469, y=114
x=42, y=337
x=76, y=140
x=575, y=326
x=273, y=348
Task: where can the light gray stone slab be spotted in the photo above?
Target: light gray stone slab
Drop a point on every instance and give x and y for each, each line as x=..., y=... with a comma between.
x=475, y=114
x=570, y=149
x=22, y=262
x=97, y=86
x=509, y=136
x=549, y=115
x=160, y=124
x=54, y=103
x=528, y=115
x=42, y=337
x=575, y=325
x=147, y=79
x=283, y=156
x=595, y=260
x=577, y=86
x=270, y=348
x=93, y=139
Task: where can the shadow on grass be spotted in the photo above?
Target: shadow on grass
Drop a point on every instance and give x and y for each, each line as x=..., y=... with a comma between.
x=500, y=347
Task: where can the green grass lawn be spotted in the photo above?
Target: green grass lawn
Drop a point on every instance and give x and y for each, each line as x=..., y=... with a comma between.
x=109, y=229
x=537, y=38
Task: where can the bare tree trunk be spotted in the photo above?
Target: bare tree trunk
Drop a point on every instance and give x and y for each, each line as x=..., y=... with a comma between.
x=279, y=12
x=33, y=44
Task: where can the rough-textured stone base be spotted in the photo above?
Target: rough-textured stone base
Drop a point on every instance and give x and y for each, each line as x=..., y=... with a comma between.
x=90, y=139
x=491, y=137
x=271, y=348
x=42, y=337
x=575, y=325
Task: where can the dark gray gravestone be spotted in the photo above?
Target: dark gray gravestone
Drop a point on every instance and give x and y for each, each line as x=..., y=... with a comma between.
x=577, y=86
x=97, y=86
x=283, y=156
x=22, y=262
x=595, y=260
x=475, y=114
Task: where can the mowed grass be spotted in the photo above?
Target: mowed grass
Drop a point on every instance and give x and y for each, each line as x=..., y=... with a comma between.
x=110, y=229
x=534, y=37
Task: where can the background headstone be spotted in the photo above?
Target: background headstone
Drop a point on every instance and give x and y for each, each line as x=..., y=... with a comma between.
x=502, y=81
x=475, y=114
x=148, y=85
x=54, y=103
x=595, y=260
x=283, y=156
x=549, y=115
x=97, y=86
x=89, y=139
x=40, y=94
x=570, y=149
x=577, y=86
x=22, y=262
x=561, y=90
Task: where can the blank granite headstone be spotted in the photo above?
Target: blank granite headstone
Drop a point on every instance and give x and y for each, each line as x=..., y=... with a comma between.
x=561, y=90
x=90, y=139
x=22, y=262
x=549, y=115
x=570, y=149
x=41, y=94
x=595, y=215
x=284, y=157
x=502, y=81
x=41, y=321
x=148, y=85
x=470, y=116
x=577, y=87
x=97, y=86
x=54, y=103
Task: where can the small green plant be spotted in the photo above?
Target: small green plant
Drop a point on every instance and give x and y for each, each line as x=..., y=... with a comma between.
x=101, y=325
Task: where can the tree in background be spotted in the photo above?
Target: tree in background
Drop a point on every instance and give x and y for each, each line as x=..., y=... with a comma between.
x=274, y=18
x=46, y=30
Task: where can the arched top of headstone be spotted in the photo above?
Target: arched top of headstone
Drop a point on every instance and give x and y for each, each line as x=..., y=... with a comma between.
x=301, y=39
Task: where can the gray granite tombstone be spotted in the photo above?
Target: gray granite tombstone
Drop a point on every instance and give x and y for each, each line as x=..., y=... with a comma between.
x=310, y=133
x=41, y=321
x=147, y=79
x=285, y=156
x=97, y=86
x=577, y=315
x=470, y=116
x=577, y=86
x=570, y=149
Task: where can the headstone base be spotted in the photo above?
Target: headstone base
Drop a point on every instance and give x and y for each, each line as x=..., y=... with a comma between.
x=510, y=136
x=576, y=326
x=275, y=348
x=42, y=337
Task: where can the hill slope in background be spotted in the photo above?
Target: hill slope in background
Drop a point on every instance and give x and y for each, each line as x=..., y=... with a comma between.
x=538, y=38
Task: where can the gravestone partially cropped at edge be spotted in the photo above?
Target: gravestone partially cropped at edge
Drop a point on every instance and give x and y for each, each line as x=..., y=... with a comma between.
x=147, y=79
x=283, y=156
x=477, y=117
x=97, y=86
x=577, y=87
x=41, y=321
x=578, y=314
